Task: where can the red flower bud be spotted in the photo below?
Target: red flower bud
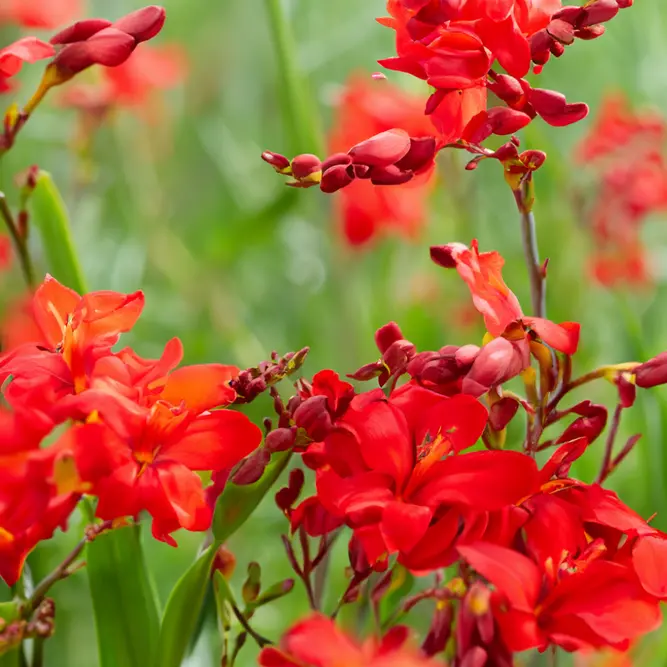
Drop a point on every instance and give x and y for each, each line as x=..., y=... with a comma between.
x=336, y=159
x=80, y=31
x=252, y=468
x=502, y=412
x=361, y=171
x=381, y=150
x=108, y=47
x=599, y=11
x=561, y=30
x=390, y=175
x=591, y=32
x=445, y=255
x=387, y=335
x=653, y=372
x=276, y=160
x=335, y=178
x=627, y=391
x=288, y=495
x=313, y=416
x=305, y=165
x=143, y=24
x=554, y=109
x=420, y=156
x=224, y=562
x=280, y=440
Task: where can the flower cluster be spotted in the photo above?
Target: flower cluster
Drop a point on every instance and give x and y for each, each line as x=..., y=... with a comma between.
x=83, y=419
x=625, y=148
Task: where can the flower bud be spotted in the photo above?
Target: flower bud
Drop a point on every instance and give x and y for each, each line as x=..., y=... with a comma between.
x=502, y=412
x=288, y=495
x=80, y=31
x=307, y=167
x=653, y=372
x=142, y=24
x=381, y=150
x=280, y=440
x=598, y=11
x=279, y=162
x=561, y=31
x=252, y=468
x=313, y=416
x=387, y=335
x=224, y=562
x=335, y=178
x=420, y=156
x=335, y=160
x=390, y=175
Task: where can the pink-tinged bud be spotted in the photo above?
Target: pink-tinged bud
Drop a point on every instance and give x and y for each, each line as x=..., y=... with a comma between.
x=497, y=120
x=336, y=159
x=109, y=47
x=446, y=255
x=368, y=372
x=279, y=162
x=440, y=631
x=335, y=178
x=599, y=11
x=382, y=150
x=143, y=24
x=591, y=32
x=554, y=109
x=280, y=440
x=314, y=418
x=589, y=425
x=540, y=47
x=502, y=412
x=497, y=362
x=306, y=166
x=561, y=30
x=80, y=31
x=398, y=355
x=252, y=468
x=390, y=175
x=507, y=151
x=420, y=156
x=466, y=355
x=387, y=335
x=652, y=373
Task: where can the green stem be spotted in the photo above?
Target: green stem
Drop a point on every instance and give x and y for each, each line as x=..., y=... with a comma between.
x=300, y=111
x=19, y=242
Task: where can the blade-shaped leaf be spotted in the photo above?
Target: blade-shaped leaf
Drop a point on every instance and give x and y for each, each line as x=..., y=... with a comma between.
x=126, y=613
x=237, y=503
x=182, y=611
x=51, y=219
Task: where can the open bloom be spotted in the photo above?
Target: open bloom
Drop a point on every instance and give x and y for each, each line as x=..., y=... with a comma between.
x=366, y=211
x=318, y=642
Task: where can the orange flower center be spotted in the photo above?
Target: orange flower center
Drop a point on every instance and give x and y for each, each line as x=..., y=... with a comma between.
x=5, y=536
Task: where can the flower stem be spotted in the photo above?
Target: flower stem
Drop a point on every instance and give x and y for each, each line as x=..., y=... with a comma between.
x=299, y=110
x=538, y=292
x=19, y=241
x=609, y=446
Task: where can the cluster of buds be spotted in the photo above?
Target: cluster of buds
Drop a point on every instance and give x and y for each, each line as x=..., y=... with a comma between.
x=389, y=158
x=252, y=382
x=572, y=23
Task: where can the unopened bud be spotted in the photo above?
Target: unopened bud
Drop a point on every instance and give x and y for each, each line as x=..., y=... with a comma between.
x=382, y=150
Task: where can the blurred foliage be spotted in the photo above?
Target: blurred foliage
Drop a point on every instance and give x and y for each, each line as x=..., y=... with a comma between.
x=175, y=200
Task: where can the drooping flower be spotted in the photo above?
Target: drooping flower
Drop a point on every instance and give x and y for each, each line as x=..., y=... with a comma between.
x=318, y=642
x=366, y=211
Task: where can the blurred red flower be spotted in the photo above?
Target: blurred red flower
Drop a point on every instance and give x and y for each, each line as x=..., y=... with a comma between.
x=318, y=642
x=625, y=149
x=25, y=50
x=365, y=211
x=47, y=14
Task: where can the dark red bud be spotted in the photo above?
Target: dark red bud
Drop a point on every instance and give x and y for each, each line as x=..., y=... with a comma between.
x=368, y=372
x=224, y=562
x=287, y=496
x=561, y=30
x=305, y=165
x=591, y=32
x=336, y=159
x=599, y=11
x=507, y=88
x=420, y=156
x=445, y=255
x=466, y=355
x=252, y=468
x=80, y=31
x=502, y=412
x=653, y=372
x=570, y=14
x=276, y=160
x=540, y=46
x=335, y=178
x=554, y=109
x=109, y=47
x=627, y=391
x=381, y=150
x=361, y=171
x=390, y=175
x=280, y=440
x=387, y=335
x=143, y=24
x=313, y=416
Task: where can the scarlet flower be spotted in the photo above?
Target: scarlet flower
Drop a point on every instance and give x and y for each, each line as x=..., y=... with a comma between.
x=318, y=642
x=46, y=14
x=382, y=469
x=25, y=50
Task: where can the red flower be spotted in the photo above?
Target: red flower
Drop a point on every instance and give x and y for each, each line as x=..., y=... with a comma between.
x=382, y=469
x=482, y=272
x=46, y=14
x=596, y=605
x=367, y=211
x=318, y=642
x=26, y=50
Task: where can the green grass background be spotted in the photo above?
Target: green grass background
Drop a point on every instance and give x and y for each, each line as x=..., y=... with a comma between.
x=236, y=265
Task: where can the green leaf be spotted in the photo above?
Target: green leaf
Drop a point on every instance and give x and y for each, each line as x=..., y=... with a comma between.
x=12, y=657
x=237, y=503
x=182, y=611
x=49, y=214
x=126, y=613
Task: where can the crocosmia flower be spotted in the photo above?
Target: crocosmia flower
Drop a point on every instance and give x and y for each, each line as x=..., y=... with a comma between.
x=45, y=14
